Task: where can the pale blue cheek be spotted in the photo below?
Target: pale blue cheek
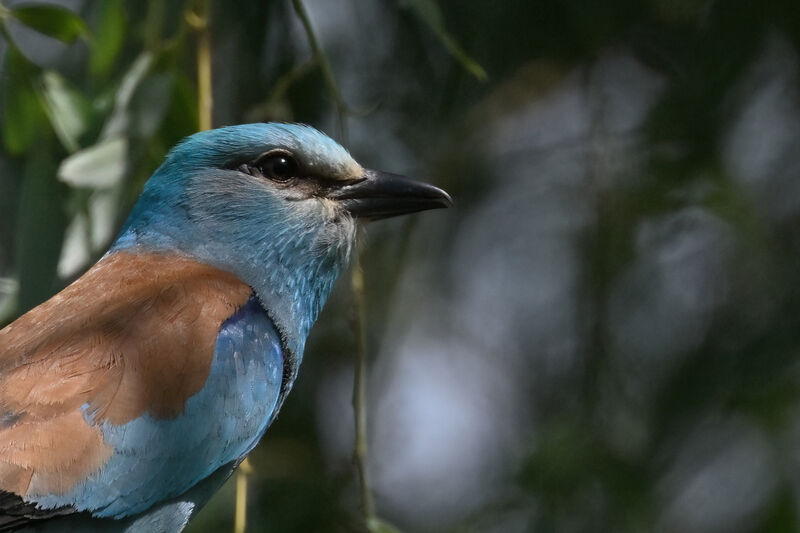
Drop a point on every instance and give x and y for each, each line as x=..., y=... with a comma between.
x=158, y=459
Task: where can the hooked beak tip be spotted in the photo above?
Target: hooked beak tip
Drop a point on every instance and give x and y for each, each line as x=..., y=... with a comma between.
x=446, y=199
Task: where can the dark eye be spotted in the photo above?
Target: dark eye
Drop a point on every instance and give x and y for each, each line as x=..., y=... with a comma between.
x=278, y=167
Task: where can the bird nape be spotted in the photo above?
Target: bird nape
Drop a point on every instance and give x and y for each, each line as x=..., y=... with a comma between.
x=128, y=398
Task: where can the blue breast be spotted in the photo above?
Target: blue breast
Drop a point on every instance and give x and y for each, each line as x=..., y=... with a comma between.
x=154, y=460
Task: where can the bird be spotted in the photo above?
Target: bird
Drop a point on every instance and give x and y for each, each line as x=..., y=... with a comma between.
x=129, y=397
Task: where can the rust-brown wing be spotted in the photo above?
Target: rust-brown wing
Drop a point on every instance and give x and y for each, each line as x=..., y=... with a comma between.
x=134, y=335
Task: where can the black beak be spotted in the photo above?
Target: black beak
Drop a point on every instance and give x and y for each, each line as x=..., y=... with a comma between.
x=381, y=195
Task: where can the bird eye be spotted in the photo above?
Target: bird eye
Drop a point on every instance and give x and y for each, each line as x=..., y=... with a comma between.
x=278, y=167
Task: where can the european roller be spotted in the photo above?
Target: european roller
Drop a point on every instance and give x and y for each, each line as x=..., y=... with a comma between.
x=129, y=397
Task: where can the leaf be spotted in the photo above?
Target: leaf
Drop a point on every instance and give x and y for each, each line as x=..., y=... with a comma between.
x=90, y=231
x=75, y=255
x=108, y=37
x=429, y=13
x=67, y=109
x=9, y=287
x=101, y=166
x=22, y=112
x=376, y=525
x=51, y=20
x=119, y=121
x=103, y=208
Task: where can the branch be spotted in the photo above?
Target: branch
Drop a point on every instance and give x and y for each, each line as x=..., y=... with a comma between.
x=200, y=22
x=360, y=454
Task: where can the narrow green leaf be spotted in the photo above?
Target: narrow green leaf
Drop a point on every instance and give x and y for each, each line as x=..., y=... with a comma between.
x=471, y=66
x=9, y=287
x=67, y=109
x=51, y=20
x=101, y=166
x=119, y=121
x=376, y=525
x=75, y=251
x=429, y=13
x=103, y=210
x=108, y=37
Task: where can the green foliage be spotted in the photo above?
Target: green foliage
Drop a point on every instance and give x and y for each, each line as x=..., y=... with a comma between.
x=23, y=115
x=108, y=38
x=51, y=20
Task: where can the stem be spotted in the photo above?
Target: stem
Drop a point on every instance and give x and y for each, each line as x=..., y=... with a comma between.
x=199, y=20
x=240, y=518
x=324, y=64
x=360, y=454
x=285, y=82
x=204, y=96
x=342, y=109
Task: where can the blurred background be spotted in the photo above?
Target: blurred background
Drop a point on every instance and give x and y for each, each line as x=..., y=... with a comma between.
x=601, y=335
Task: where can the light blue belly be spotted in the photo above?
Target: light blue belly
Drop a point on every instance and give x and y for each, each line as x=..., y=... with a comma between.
x=155, y=460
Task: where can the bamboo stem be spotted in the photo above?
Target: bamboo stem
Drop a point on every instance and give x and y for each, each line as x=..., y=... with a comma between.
x=199, y=20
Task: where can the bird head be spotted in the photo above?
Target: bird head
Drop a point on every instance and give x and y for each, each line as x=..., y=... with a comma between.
x=275, y=204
